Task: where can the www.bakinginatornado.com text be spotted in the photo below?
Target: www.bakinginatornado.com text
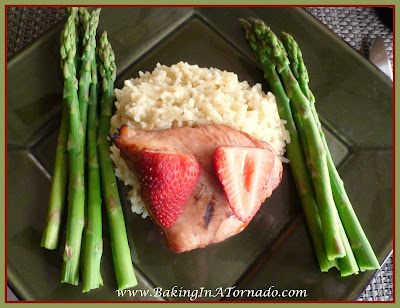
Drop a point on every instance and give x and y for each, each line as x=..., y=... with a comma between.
x=203, y=293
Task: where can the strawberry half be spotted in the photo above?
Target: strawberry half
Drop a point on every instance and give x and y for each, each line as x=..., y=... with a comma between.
x=166, y=182
x=244, y=173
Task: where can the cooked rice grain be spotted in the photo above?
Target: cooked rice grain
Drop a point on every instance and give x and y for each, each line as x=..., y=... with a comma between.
x=186, y=95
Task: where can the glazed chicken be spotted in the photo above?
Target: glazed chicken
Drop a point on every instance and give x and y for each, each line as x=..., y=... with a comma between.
x=207, y=217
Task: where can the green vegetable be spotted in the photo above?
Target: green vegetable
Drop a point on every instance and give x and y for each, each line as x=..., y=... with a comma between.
x=59, y=183
x=347, y=264
x=83, y=24
x=360, y=245
x=294, y=149
x=77, y=60
x=91, y=273
x=296, y=105
x=123, y=266
x=89, y=24
x=76, y=193
x=318, y=161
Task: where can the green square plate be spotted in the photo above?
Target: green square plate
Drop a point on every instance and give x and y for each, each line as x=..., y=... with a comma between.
x=354, y=101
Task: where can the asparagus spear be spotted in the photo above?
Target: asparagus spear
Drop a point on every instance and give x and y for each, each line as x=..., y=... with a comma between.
x=297, y=65
x=77, y=60
x=59, y=185
x=76, y=193
x=93, y=234
x=360, y=245
x=123, y=267
x=89, y=24
x=84, y=17
x=294, y=150
x=319, y=171
x=347, y=264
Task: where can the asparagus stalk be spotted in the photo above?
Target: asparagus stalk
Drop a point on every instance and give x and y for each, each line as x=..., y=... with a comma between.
x=77, y=60
x=123, y=266
x=89, y=24
x=294, y=150
x=347, y=264
x=83, y=24
x=319, y=171
x=360, y=245
x=91, y=273
x=59, y=183
x=297, y=64
x=58, y=192
x=76, y=193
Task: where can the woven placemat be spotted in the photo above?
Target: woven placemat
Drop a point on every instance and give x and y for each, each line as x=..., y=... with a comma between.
x=25, y=24
x=358, y=26
x=381, y=286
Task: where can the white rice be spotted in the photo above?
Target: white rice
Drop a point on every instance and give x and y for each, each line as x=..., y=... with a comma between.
x=186, y=95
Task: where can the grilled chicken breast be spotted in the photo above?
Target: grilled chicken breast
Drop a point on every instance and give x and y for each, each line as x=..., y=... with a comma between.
x=207, y=217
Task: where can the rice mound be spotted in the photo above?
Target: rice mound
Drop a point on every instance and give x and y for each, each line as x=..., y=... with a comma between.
x=187, y=95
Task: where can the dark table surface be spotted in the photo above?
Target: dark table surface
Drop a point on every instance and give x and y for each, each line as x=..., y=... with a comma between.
x=358, y=26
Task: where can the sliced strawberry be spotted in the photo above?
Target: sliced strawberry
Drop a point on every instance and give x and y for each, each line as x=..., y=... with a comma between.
x=166, y=182
x=244, y=173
